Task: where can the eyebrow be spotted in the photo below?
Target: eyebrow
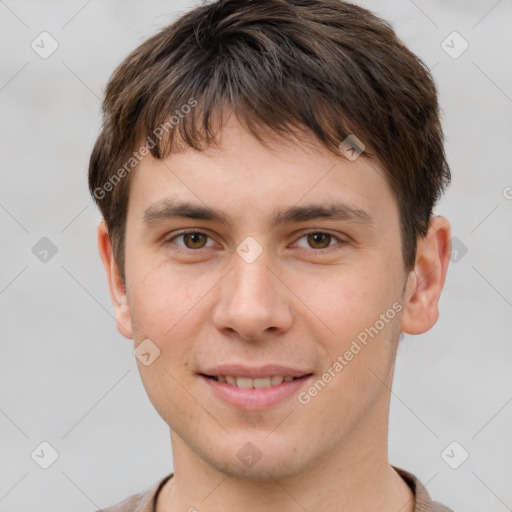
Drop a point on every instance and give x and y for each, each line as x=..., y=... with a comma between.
x=168, y=209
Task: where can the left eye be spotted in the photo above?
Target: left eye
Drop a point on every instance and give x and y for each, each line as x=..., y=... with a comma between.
x=319, y=239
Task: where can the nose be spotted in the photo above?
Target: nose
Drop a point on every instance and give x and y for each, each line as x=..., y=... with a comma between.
x=253, y=300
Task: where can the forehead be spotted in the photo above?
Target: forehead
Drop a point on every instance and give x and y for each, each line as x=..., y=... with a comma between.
x=240, y=174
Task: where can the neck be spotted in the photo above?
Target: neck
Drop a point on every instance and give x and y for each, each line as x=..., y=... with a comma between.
x=355, y=478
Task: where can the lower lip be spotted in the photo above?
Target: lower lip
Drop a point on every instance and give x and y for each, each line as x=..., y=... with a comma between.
x=255, y=399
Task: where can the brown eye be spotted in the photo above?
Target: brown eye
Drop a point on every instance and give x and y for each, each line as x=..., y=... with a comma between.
x=319, y=240
x=190, y=241
x=194, y=240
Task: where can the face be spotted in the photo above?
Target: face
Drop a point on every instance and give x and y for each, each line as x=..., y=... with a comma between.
x=265, y=285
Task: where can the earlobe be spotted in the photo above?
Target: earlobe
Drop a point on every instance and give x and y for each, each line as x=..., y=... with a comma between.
x=425, y=282
x=115, y=283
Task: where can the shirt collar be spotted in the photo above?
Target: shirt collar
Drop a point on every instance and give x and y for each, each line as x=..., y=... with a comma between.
x=146, y=502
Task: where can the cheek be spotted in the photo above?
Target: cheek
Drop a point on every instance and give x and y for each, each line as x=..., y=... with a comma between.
x=361, y=309
x=164, y=305
x=348, y=298
x=360, y=353
x=164, y=299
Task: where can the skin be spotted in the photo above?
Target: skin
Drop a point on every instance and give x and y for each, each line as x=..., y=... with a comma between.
x=297, y=304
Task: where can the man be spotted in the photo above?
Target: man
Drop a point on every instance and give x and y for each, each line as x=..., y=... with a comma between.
x=267, y=172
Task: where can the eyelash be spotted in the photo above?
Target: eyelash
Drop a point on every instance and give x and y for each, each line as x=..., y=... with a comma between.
x=337, y=238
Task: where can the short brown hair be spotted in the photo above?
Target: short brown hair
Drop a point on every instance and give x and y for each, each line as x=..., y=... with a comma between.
x=325, y=68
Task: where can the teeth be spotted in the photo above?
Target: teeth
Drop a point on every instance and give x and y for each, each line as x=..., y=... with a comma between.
x=247, y=382
x=244, y=382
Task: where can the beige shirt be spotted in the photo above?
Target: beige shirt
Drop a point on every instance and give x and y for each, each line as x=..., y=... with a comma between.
x=146, y=501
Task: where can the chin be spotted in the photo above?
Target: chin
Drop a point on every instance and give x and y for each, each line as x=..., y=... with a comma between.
x=258, y=459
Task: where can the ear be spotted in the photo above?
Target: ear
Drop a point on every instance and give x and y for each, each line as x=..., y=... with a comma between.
x=425, y=282
x=116, y=285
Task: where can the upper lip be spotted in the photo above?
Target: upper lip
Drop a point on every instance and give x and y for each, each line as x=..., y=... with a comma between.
x=253, y=372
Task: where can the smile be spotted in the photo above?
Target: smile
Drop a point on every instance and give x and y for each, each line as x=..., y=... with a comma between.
x=247, y=382
x=254, y=393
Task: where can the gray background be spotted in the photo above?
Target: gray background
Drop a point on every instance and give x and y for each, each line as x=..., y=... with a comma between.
x=69, y=378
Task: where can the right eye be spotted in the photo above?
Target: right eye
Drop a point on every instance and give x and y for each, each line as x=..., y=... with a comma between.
x=192, y=240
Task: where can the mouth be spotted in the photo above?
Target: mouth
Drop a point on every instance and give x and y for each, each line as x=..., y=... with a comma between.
x=254, y=389
x=248, y=382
